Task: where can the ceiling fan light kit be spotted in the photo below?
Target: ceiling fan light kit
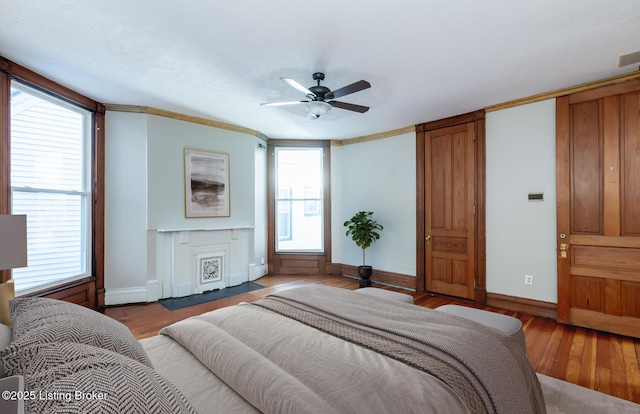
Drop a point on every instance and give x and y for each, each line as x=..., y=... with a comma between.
x=318, y=103
x=318, y=108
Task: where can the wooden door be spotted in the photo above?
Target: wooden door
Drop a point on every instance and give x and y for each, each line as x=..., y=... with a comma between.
x=449, y=210
x=598, y=196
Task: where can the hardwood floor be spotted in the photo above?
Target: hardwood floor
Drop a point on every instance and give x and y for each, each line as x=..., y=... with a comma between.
x=604, y=362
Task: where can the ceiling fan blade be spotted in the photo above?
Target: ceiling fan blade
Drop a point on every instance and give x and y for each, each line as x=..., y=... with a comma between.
x=349, y=106
x=346, y=90
x=294, y=83
x=284, y=103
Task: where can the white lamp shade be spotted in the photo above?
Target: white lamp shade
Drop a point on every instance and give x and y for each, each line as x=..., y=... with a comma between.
x=318, y=108
x=13, y=241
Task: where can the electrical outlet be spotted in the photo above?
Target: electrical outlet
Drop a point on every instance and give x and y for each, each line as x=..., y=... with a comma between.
x=528, y=280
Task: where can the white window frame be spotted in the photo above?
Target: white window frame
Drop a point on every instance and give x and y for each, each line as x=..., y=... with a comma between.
x=291, y=199
x=85, y=191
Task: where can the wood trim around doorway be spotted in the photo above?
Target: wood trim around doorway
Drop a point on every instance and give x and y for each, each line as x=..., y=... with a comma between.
x=478, y=117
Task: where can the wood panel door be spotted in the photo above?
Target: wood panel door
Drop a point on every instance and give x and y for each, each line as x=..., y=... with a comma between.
x=449, y=210
x=598, y=196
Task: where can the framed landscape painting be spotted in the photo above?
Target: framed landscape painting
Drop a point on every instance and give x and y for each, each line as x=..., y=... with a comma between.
x=206, y=184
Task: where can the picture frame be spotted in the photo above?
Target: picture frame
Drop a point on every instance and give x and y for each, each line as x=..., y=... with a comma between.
x=206, y=184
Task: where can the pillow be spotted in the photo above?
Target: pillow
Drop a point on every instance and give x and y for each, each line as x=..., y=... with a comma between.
x=70, y=378
x=43, y=320
x=5, y=339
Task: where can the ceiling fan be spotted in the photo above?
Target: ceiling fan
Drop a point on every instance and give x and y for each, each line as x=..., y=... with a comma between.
x=320, y=98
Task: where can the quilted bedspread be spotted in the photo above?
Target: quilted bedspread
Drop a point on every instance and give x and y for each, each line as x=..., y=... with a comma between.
x=317, y=349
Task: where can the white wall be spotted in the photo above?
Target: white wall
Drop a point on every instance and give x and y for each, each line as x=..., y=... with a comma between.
x=337, y=214
x=380, y=176
x=167, y=139
x=260, y=220
x=521, y=235
x=144, y=191
x=376, y=176
x=125, y=201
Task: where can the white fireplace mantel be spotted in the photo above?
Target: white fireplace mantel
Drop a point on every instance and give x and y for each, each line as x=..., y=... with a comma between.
x=205, y=229
x=181, y=254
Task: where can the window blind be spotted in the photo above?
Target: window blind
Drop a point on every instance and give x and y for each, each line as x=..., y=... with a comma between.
x=48, y=170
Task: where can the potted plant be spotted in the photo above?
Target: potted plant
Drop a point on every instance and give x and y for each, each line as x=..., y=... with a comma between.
x=364, y=230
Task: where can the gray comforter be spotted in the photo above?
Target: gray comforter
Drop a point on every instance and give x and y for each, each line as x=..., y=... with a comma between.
x=337, y=351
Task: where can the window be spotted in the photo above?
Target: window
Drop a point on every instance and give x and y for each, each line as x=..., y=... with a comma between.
x=312, y=201
x=50, y=183
x=300, y=221
x=284, y=213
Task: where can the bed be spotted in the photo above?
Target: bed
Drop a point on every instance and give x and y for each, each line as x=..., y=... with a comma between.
x=312, y=349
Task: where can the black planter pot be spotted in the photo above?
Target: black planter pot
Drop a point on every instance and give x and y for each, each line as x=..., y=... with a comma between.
x=365, y=273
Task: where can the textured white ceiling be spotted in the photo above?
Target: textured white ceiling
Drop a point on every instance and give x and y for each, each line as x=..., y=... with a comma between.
x=425, y=59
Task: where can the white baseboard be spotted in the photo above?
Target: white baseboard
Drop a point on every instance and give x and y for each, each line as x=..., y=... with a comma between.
x=184, y=289
x=236, y=279
x=152, y=291
x=258, y=272
x=125, y=295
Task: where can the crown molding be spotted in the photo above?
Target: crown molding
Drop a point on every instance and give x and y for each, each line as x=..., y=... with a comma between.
x=374, y=137
x=182, y=117
x=564, y=91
